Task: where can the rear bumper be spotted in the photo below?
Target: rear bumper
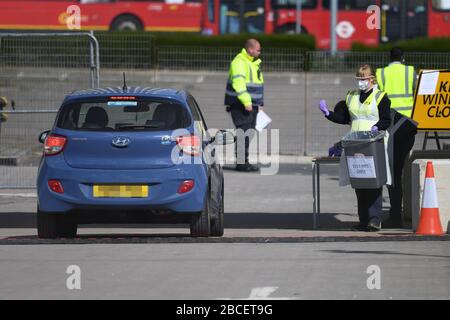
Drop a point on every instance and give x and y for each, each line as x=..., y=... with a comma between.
x=78, y=188
x=128, y=216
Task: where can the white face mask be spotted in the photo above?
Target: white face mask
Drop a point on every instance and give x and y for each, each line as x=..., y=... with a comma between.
x=363, y=85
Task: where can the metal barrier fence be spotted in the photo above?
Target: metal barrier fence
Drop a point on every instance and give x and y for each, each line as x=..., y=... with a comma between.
x=51, y=50
x=218, y=59
x=133, y=51
x=289, y=59
x=141, y=52
x=36, y=71
x=39, y=78
x=20, y=150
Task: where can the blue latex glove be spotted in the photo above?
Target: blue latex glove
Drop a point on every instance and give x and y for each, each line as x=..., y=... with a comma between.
x=334, y=151
x=324, y=108
x=374, y=129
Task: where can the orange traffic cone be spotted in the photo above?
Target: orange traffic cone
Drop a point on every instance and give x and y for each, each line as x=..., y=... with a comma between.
x=429, y=223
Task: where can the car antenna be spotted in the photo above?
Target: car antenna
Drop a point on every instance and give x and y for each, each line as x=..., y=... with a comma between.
x=125, y=88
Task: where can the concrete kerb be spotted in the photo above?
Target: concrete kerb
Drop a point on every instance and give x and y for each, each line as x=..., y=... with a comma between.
x=281, y=159
x=261, y=240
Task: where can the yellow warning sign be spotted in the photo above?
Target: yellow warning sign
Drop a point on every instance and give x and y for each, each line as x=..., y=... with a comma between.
x=432, y=101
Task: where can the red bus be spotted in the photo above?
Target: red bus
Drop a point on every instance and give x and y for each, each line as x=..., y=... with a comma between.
x=279, y=16
x=425, y=18
x=162, y=15
x=421, y=18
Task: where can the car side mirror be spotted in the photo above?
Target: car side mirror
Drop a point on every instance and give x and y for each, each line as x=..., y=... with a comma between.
x=43, y=136
x=224, y=137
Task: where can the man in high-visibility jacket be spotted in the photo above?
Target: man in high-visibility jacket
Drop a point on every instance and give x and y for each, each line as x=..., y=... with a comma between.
x=399, y=82
x=244, y=95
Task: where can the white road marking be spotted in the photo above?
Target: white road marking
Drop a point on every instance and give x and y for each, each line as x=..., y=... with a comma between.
x=261, y=293
x=21, y=195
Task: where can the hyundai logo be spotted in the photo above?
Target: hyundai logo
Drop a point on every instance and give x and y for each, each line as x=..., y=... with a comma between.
x=120, y=142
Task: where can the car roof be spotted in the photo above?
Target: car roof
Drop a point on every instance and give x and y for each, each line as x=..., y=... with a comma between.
x=148, y=92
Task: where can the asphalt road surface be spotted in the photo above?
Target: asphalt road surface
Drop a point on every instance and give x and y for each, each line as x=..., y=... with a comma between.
x=269, y=251
x=406, y=270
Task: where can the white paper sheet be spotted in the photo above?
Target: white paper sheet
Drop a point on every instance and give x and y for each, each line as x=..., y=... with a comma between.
x=262, y=121
x=429, y=82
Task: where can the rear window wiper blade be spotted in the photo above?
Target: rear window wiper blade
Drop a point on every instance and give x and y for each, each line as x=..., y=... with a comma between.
x=137, y=126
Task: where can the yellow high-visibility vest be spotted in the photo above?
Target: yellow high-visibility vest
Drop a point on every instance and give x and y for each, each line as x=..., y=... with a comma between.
x=397, y=80
x=245, y=82
x=364, y=115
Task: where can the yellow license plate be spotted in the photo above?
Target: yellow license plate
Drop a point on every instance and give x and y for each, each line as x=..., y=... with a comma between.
x=120, y=191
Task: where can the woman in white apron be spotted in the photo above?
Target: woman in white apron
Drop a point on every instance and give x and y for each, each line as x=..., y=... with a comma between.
x=366, y=109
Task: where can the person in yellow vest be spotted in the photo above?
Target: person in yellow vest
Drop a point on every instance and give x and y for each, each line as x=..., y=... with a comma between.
x=366, y=109
x=244, y=95
x=399, y=82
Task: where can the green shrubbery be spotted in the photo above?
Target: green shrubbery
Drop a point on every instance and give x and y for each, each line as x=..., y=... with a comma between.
x=414, y=45
x=422, y=53
x=306, y=42
x=145, y=50
x=142, y=49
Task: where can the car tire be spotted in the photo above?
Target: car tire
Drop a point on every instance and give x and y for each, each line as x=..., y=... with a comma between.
x=217, y=225
x=66, y=228
x=201, y=222
x=55, y=225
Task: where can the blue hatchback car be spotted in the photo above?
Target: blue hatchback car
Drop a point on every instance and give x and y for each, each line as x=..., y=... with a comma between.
x=130, y=155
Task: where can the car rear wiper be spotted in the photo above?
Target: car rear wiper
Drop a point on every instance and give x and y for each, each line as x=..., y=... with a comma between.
x=136, y=126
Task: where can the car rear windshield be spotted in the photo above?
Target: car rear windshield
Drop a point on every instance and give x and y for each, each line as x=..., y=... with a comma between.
x=123, y=115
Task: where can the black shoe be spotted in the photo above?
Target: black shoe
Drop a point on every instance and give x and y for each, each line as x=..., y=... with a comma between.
x=242, y=167
x=393, y=222
x=253, y=168
x=374, y=225
x=246, y=168
x=359, y=227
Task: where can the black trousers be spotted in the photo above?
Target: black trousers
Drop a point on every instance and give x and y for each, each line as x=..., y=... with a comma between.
x=402, y=148
x=370, y=204
x=244, y=120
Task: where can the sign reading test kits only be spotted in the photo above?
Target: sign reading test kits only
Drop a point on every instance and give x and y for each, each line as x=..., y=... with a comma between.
x=361, y=167
x=432, y=101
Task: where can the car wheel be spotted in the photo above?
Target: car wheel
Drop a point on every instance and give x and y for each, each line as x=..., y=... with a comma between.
x=201, y=222
x=217, y=226
x=54, y=225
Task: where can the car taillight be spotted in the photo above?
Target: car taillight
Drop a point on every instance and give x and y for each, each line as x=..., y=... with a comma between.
x=186, y=186
x=190, y=145
x=54, y=144
x=55, y=186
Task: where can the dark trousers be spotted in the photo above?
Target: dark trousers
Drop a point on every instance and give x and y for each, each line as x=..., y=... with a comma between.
x=370, y=202
x=402, y=148
x=244, y=120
